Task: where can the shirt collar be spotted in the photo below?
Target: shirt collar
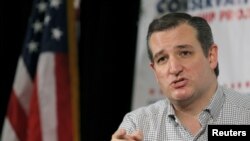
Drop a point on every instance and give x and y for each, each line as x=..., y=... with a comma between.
x=170, y=110
x=216, y=103
x=171, y=113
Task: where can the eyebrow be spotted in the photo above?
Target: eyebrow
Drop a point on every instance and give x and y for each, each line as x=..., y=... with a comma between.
x=184, y=46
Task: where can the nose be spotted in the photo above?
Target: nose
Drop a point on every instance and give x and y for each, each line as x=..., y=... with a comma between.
x=175, y=66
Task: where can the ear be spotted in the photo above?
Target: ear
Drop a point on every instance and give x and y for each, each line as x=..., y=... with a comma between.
x=152, y=65
x=213, y=56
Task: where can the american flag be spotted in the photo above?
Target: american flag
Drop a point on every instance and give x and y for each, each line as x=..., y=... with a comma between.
x=43, y=104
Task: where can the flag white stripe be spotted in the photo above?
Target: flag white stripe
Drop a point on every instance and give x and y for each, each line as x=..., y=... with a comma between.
x=8, y=132
x=47, y=96
x=23, y=85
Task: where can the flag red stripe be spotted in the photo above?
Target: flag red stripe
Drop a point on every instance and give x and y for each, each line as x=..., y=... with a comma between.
x=34, y=125
x=16, y=114
x=64, y=110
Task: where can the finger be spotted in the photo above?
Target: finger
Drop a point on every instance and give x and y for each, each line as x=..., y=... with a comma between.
x=137, y=135
x=119, y=134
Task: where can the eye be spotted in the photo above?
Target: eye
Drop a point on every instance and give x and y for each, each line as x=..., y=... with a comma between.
x=161, y=59
x=185, y=53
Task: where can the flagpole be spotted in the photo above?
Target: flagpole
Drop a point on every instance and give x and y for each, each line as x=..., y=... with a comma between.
x=73, y=62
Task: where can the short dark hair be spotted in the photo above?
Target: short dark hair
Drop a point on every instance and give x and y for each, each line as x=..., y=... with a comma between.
x=172, y=20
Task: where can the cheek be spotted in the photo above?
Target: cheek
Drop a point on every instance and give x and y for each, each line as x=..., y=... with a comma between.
x=159, y=76
x=162, y=76
x=199, y=69
x=161, y=72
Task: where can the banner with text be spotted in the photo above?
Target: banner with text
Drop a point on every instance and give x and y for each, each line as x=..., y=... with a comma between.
x=230, y=23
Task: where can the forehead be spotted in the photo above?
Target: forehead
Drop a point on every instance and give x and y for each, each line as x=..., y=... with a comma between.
x=181, y=35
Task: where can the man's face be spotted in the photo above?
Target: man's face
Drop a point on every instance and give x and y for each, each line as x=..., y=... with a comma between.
x=180, y=66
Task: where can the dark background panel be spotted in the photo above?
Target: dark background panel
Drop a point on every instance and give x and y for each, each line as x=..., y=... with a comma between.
x=106, y=60
x=107, y=50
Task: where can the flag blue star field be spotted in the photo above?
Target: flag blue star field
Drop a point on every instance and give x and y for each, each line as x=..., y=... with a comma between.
x=43, y=103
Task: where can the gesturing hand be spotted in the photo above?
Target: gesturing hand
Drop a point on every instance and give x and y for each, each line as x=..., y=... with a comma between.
x=121, y=135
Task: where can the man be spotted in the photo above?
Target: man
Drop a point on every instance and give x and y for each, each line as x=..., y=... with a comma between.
x=184, y=59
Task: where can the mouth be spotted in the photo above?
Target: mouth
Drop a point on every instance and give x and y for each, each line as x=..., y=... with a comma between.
x=179, y=83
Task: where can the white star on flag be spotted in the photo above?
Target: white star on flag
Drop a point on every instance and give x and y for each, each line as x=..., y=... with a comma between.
x=42, y=6
x=55, y=3
x=47, y=19
x=32, y=46
x=37, y=26
x=56, y=33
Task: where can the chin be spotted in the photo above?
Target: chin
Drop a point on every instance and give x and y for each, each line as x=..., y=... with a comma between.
x=181, y=95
